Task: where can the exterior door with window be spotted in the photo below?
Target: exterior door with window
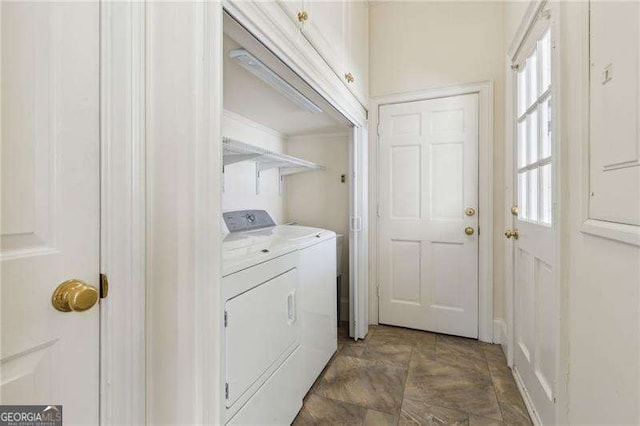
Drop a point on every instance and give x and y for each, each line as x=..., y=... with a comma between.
x=50, y=152
x=534, y=227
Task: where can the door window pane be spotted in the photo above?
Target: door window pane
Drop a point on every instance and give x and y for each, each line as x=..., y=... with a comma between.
x=545, y=194
x=522, y=195
x=544, y=47
x=532, y=198
x=522, y=91
x=522, y=143
x=534, y=134
x=545, y=129
x=532, y=137
x=532, y=79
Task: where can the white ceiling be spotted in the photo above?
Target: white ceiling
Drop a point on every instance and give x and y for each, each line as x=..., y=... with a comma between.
x=247, y=95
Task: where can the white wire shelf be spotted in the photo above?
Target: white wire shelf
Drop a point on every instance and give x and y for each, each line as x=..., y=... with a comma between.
x=235, y=152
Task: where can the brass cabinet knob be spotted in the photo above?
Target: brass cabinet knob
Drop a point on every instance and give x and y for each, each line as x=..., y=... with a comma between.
x=349, y=77
x=514, y=210
x=302, y=16
x=74, y=295
x=512, y=233
x=469, y=230
x=470, y=211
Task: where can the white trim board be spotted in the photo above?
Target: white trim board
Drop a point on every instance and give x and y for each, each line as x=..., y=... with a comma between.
x=485, y=195
x=533, y=414
x=122, y=215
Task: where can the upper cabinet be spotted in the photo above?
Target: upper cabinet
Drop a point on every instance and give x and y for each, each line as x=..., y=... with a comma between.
x=359, y=50
x=339, y=32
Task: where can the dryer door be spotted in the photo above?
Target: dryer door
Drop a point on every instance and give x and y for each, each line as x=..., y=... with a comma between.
x=262, y=330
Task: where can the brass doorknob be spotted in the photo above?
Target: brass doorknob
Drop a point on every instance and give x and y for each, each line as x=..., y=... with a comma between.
x=349, y=77
x=512, y=233
x=470, y=211
x=303, y=16
x=514, y=210
x=74, y=295
x=469, y=230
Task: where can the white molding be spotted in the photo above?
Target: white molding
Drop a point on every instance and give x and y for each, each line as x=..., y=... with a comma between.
x=533, y=414
x=253, y=124
x=269, y=24
x=122, y=135
x=208, y=246
x=485, y=195
x=526, y=24
x=184, y=163
x=629, y=234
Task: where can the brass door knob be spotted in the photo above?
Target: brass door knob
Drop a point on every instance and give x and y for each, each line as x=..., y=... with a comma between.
x=470, y=211
x=303, y=16
x=74, y=295
x=349, y=77
x=514, y=210
x=512, y=233
x=469, y=230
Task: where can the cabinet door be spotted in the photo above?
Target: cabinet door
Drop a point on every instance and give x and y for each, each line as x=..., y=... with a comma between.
x=358, y=64
x=291, y=8
x=326, y=28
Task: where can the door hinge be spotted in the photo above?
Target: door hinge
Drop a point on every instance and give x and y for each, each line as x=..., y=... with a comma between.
x=104, y=286
x=478, y=230
x=226, y=390
x=378, y=289
x=226, y=318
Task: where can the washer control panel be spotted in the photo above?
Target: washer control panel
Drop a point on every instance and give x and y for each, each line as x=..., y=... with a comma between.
x=247, y=220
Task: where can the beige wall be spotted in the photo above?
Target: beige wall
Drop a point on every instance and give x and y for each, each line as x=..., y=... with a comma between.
x=603, y=288
x=421, y=45
x=240, y=178
x=320, y=199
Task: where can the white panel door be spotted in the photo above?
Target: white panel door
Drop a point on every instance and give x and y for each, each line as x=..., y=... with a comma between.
x=50, y=203
x=534, y=229
x=428, y=198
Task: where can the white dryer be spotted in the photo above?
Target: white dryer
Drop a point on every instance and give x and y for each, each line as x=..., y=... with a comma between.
x=279, y=305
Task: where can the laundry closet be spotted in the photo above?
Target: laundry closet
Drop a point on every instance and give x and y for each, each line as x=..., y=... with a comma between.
x=286, y=212
x=263, y=111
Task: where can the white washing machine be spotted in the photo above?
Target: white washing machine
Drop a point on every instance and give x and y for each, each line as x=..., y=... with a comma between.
x=279, y=305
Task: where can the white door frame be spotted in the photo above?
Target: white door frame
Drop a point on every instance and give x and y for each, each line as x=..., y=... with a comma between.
x=485, y=194
x=122, y=212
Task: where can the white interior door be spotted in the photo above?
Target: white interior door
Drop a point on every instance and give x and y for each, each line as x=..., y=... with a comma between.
x=534, y=228
x=50, y=204
x=428, y=203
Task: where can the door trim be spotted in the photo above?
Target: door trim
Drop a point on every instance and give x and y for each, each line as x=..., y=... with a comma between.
x=484, y=90
x=122, y=212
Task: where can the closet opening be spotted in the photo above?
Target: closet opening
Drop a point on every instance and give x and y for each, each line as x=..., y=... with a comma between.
x=288, y=199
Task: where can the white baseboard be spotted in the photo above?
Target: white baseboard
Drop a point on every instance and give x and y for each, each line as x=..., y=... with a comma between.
x=499, y=331
x=535, y=419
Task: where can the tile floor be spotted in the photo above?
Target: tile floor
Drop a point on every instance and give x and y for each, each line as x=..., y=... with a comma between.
x=398, y=376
